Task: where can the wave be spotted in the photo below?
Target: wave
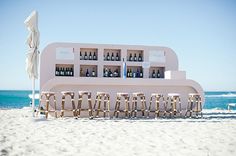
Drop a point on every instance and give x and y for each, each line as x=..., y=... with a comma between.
x=222, y=95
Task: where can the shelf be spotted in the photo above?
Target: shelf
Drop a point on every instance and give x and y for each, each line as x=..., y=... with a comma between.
x=88, y=62
x=88, y=70
x=134, y=72
x=156, y=72
x=89, y=54
x=135, y=55
x=64, y=70
x=111, y=71
x=112, y=55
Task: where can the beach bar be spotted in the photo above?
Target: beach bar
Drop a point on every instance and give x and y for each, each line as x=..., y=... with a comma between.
x=113, y=69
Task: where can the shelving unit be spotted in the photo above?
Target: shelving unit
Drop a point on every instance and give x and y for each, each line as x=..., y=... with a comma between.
x=64, y=58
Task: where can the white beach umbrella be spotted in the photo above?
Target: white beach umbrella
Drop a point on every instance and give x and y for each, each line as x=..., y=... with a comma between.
x=32, y=57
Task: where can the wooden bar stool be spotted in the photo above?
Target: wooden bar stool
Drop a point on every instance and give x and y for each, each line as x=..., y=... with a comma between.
x=135, y=104
x=194, y=104
x=158, y=103
x=106, y=101
x=79, y=107
x=117, y=106
x=47, y=95
x=72, y=95
x=172, y=99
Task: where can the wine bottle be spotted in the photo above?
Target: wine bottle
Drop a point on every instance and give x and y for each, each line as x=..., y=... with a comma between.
x=63, y=71
x=106, y=72
x=137, y=74
x=153, y=74
x=135, y=57
x=115, y=74
x=85, y=56
x=134, y=74
x=130, y=73
x=141, y=73
x=112, y=57
x=94, y=56
x=117, y=57
x=108, y=57
x=110, y=73
x=93, y=73
x=139, y=58
x=87, y=73
x=81, y=57
x=130, y=57
x=158, y=74
x=56, y=71
x=71, y=72
x=90, y=56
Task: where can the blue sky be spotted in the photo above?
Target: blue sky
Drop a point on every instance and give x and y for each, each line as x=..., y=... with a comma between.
x=201, y=32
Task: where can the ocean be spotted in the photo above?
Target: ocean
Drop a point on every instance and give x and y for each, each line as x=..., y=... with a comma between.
x=19, y=99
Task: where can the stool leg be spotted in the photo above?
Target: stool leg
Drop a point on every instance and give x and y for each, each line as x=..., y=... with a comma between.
x=47, y=106
x=108, y=106
x=126, y=108
x=90, y=106
x=55, y=106
x=95, y=104
x=63, y=105
x=180, y=108
x=144, y=106
x=104, y=106
x=99, y=106
x=73, y=105
x=79, y=105
x=150, y=106
x=158, y=107
x=118, y=109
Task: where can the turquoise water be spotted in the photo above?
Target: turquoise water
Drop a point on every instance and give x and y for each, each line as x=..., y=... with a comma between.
x=20, y=99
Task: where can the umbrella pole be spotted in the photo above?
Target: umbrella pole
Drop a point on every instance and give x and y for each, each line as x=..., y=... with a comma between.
x=33, y=93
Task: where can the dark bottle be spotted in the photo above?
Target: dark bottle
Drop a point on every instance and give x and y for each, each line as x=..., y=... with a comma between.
x=90, y=56
x=141, y=73
x=110, y=73
x=93, y=73
x=158, y=74
x=66, y=72
x=85, y=56
x=130, y=57
x=140, y=58
x=137, y=73
x=153, y=74
x=112, y=57
x=134, y=74
x=135, y=57
x=115, y=74
x=105, y=72
x=56, y=71
x=117, y=57
x=60, y=72
x=81, y=57
x=81, y=72
x=108, y=57
x=130, y=73
x=71, y=72
x=94, y=56
x=87, y=73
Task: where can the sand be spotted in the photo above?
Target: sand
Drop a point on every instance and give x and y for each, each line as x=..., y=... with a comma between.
x=20, y=134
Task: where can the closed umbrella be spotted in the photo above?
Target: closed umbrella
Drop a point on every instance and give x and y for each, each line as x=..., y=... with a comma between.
x=32, y=56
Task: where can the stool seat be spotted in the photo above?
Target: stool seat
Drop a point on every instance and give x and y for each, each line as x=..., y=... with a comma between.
x=173, y=94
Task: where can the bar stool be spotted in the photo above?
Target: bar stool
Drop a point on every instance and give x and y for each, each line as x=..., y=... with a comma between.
x=47, y=95
x=72, y=95
x=135, y=104
x=106, y=101
x=117, y=106
x=158, y=103
x=194, y=104
x=79, y=107
x=172, y=99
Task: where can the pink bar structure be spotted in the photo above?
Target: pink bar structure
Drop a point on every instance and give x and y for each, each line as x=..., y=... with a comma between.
x=151, y=61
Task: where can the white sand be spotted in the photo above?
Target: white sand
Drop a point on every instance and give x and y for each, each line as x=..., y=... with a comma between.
x=20, y=134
